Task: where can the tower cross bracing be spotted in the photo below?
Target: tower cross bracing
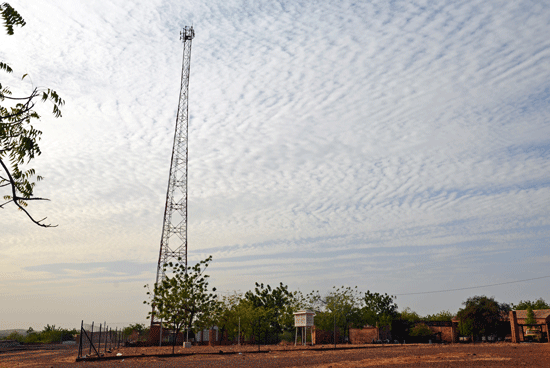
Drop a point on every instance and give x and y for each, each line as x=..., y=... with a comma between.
x=173, y=244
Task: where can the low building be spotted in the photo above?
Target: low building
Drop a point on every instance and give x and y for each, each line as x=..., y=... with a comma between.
x=521, y=330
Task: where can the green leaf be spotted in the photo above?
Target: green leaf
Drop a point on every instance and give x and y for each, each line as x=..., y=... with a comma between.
x=11, y=18
x=5, y=67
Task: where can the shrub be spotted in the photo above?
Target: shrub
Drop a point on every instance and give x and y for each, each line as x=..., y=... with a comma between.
x=15, y=336
x=421, y=330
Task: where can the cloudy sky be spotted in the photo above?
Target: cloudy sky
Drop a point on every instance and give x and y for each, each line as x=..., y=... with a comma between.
x=400, y=146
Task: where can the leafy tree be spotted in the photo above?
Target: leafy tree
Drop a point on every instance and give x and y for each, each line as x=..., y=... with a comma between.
x=325, y=319
x=18, y=137
x=443, y=316
x=379, y=309
x=409, y=316
x=537, y=304
x=226, y=314
x=274, y=308
x=183, y=296
x=139, y=327
x=409, y=323
x=52, y=334
x=480, y=315
x=264, y=313
x=295, y=302
x=15, y=336
x=340, y=308
x=421, y=330
x=405, y=321
x=346, y=307
x=49, y=328
x=256, y=321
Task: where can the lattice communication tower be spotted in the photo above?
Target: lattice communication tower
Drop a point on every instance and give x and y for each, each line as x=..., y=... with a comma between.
x=174, y=226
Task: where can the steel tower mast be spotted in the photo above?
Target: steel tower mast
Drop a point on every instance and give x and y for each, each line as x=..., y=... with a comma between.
x=174, y=226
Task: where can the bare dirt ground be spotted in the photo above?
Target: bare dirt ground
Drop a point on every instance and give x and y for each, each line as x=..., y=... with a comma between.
x=456, y=355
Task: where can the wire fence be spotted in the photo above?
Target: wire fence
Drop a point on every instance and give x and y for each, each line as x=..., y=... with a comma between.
x=96, y=341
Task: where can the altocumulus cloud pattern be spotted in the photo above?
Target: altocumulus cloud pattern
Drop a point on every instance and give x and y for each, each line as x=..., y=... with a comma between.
x=396, y=146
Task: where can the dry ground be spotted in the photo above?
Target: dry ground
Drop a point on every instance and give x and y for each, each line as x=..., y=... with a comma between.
x=457, y=355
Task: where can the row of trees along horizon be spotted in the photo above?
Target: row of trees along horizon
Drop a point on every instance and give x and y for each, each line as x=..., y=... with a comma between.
x=184, y=301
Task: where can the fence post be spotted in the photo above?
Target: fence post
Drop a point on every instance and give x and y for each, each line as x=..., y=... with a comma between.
x=91, y=338
x=80, y=340
x=99, y=343
x=106, y=329
x=160, y=335
x=106, y=337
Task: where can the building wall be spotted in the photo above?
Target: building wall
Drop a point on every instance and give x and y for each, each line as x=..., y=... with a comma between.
x=449, y=334
x=211, y=337
x=154, y=335
x=319, y=337
x=514, y=327
x=363, y=335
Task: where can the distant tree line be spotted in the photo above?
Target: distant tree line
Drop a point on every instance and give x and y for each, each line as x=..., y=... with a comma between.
x=265, y=314
x=49, y=334
x=184, y=302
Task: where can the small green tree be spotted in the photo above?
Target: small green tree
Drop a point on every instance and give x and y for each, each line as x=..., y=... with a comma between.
x=530, y=317
x=182, y=296
x=18, y=137
x=530, y=320
x=480, y=315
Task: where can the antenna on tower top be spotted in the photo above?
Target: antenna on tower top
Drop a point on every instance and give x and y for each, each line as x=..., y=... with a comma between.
x=188, y=33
